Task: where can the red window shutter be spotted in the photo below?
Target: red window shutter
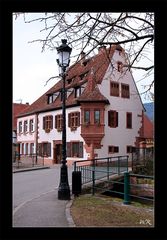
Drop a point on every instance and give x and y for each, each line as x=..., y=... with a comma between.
x=109, y=118
x=49, y=149
x=56, y=121
x=81, y=149
x=44, y=122
x=69, y=120
x=129, y=120
x=39, y=149
x=68, y=149
x=114, y=123
x=30, y=128
x=78, y=119
x=51, y=122
x=116, y=119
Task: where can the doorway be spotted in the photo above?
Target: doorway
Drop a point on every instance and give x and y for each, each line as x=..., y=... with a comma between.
x=57, y=153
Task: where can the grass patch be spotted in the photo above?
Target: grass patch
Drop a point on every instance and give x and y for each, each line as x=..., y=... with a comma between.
x=104, y=211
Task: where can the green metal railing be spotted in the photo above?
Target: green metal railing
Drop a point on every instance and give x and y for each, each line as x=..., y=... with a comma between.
x=100, y=173
x=99, y=168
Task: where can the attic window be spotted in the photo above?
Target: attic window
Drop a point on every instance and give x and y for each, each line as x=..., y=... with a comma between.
x=119, y=66
x=125, y=92
x=114, y=89
x=70, y=80
x=77, y=92
x=52, y=97
x=83, y=75
x=69, y=91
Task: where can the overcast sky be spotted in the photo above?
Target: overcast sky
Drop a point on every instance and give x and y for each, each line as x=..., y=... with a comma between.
x=32, y=68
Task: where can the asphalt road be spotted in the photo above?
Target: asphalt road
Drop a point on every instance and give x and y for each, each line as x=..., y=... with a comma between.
x=31, y=184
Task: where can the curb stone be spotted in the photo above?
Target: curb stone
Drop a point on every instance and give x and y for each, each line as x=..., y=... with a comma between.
x=68, y=214
x=30, y=169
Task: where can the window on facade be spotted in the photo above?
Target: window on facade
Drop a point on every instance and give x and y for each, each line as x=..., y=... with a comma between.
x=129, y=149
x=48, y=123
x=125, y=90
x=87, y=116
x=119, y=66
x=31, y=125
x=129, y=120
x=74, y=120
x=25, y=126
x=26, y=148
x=31, y=148
x=44, y=149
x=97, y=116
x=22, y=148
x=112, y=119
x=113, y=149
x=58, y=122
x=20, y=127
x=75, y=149
x=114, y=89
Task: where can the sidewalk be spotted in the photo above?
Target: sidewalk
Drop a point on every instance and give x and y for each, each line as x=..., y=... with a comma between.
x=43, y=211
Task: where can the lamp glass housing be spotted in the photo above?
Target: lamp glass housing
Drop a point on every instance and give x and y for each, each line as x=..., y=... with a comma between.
x=64, y=52
x=64, y=58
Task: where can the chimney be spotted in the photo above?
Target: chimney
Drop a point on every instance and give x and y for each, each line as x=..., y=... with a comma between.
x=82, y=57
x=91, y=81
x=102, y=49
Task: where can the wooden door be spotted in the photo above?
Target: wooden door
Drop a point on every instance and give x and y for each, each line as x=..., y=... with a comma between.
x=57, y=153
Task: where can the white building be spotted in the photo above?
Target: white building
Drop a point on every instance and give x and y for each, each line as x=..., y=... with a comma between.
x=104, y=112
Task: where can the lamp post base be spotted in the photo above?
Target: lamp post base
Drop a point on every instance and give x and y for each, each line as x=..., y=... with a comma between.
x=64, y=189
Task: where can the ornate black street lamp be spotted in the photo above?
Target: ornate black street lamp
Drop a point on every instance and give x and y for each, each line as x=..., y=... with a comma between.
x=64, y=52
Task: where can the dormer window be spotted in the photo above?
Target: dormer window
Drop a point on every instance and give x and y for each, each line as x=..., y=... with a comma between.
x=69, y=91
x=77, y=92
x=83, y=75
x=52, y=97
x=69, y=81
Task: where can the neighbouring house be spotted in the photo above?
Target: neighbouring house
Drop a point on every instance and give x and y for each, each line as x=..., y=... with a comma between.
x=149, y=107
x=17, y=108
x=104, y=112
x=147, y=135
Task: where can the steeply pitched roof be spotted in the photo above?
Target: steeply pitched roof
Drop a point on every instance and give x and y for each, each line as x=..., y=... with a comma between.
x=76, y=75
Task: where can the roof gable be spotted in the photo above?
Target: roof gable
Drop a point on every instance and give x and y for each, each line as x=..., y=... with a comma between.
x=76, y=75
